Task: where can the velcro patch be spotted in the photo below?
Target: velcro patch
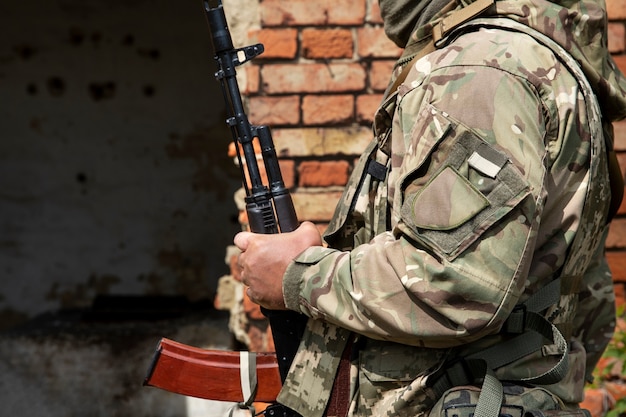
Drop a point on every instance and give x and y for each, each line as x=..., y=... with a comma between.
x=487, y=161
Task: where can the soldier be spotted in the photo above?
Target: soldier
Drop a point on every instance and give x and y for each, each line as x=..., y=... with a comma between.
x=464, y=270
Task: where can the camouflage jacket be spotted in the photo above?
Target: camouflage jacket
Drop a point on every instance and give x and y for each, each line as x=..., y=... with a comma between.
x=481, y=173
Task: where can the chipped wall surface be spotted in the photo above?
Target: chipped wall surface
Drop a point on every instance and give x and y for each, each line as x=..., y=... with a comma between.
x=63, y=365
x=114, y=176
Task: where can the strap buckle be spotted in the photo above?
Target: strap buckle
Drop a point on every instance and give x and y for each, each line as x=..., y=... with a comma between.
x=454, y=374
x=457, y=18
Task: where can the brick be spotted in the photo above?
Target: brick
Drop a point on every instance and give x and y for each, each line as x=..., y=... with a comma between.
x=380, y=73
x=309, y=13
x=617, y=234
x=621, y=159
x=315, y=142
x=622, y=207
x=323, y=173
x=620, y=294
x=616, y=37
x=251, y=78
x=620, y=135
x=315, y=205
x=274, y=111
x=366, y=106
x=344, y=12
x=312, y=78
x=327, y=43
x=335, y=109
x=616, y=9
x=373, y=16
x=617, y=262
x=372, y=42
x=278, y=43
x=288, y=172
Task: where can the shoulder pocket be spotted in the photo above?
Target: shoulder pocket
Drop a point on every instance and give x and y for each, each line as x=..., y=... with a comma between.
x=469, y=187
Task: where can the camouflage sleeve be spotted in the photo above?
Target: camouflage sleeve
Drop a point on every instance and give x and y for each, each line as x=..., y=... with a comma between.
x=470, y=172
x=388, y=289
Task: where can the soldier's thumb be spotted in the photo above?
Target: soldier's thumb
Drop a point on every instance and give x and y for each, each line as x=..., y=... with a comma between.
x=241, y=240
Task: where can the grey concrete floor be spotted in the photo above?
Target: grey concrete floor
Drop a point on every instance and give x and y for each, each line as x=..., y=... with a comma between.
x=73, y=363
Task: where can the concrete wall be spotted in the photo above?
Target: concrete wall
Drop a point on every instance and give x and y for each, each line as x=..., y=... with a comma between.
x=114, y=181
x=114, y=177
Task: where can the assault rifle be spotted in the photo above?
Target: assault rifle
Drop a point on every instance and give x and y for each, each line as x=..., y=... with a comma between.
x=270, y=210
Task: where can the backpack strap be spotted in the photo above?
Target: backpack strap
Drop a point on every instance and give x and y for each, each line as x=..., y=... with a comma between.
x=460, y=16
x=441, y=29
x=532, y=329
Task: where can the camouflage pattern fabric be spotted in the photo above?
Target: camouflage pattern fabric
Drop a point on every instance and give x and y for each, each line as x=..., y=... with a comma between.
x=488, y=147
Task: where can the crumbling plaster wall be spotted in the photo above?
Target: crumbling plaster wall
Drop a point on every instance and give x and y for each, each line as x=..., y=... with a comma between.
x=113, y=170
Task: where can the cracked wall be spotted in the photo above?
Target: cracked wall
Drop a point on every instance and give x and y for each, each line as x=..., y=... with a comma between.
x=114, y=175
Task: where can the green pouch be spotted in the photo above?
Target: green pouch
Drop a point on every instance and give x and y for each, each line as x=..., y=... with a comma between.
x=518, y=401
x=512, y=411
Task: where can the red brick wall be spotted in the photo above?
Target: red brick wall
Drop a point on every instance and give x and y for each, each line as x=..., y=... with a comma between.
x=318, y=83
x=617, y=237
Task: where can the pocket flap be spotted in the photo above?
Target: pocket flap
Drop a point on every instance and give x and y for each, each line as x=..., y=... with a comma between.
x=387, y=362
x=446, y=202
x=468, y=188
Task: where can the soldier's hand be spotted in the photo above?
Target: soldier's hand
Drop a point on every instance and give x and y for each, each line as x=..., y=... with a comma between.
x=264, y=259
